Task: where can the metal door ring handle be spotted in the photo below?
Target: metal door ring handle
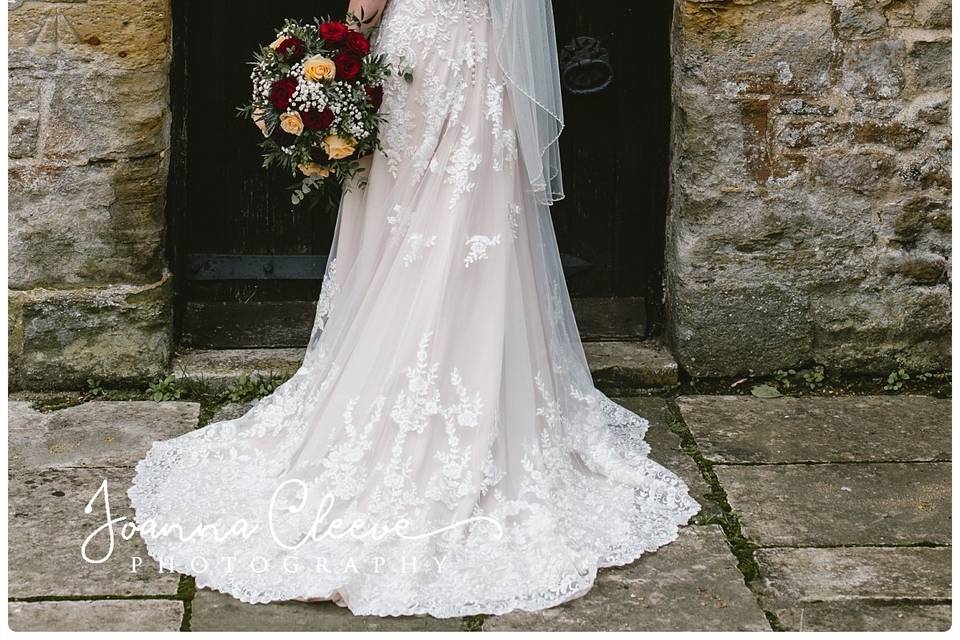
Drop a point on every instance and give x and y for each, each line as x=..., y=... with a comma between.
x=586, y=67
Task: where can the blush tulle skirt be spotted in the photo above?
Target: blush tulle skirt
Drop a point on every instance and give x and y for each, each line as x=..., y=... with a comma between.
x=444, y=401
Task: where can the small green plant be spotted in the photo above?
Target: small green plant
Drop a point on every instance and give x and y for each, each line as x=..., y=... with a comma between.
x=814, y=378
x=896, y=380
x=784, y=378
x=252, y=387
x=165, y=389
x=95, y=388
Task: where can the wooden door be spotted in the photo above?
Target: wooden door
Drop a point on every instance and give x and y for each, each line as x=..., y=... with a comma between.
x=248, y=263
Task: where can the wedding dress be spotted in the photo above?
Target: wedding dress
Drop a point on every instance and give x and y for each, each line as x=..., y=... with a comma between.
x=445, y=387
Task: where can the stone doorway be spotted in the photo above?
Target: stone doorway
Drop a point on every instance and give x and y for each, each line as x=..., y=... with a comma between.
x=248, y=266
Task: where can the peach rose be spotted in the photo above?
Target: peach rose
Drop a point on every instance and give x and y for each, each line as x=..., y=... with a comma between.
x=314, y=170
x=338, y=147
x=292, y=123
x=276, y=43
x=318, y=68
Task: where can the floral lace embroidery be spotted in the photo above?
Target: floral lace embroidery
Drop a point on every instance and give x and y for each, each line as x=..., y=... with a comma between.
x=415, y=245
x=477, y=248
x=399, y=222
x=442, y=90
x=504, y=140
x=513, y=219
x=462, y=163
x=328, y=291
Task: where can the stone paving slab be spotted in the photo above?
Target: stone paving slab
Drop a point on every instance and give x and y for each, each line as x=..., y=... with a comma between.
x=665, y=449
x=94, y=434
x=631, y=364
x=96, y=615
x=866, y=616
x=862, y=588
x=232, y=411
x=692, y=584
x=47, y=526
x=840, y=504
x=220, y=368
x=744, y=429
x=214, y=611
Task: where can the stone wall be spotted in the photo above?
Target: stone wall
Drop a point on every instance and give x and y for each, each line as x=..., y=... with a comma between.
x=90, y=295
x=810, y=217
x=810, y=214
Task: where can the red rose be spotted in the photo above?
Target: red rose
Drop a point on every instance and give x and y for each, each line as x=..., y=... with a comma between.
x=291, y=49
x=333, y=32
x=348, y=66
x=281, y=93
x=375, y=96
x=317, y=120
x=357, y=43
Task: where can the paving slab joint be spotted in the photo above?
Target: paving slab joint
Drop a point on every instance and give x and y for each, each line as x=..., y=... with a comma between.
x=186, y=591
x=742, y=548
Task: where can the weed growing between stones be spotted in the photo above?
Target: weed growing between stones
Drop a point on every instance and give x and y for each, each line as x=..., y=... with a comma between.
x=253, y=387
x=473, y=623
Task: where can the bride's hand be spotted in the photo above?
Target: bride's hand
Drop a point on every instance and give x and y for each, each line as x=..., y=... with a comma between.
x=369, y=11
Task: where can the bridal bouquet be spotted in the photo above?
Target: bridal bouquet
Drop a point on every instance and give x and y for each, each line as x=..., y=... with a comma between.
x=317, y=91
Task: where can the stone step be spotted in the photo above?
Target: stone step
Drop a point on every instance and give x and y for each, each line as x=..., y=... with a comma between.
x=615, y=365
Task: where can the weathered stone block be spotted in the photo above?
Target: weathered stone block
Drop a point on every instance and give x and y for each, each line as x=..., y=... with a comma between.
x=917, y=268
x=96, y=115
x=913, y=216
x=856, y=589
x=934, y=14
x=59, y=339
x=859, y=615
x=93, y=434
x=94, y=224
x=860, y=171
x=214, y=611
x=723, y=329
x=859, y=18
x=840, y=504
x=893, y=134
x=766, y=47
x=804, y=134
x=934, y=109
x=96, y=615
x=109, y=33
x=926, y=172
x=23, y=101
x=931, y=64
x=878, y=329
x=22, y=132
x=48, y=526
x=874, y=69
x=929, y=14
x=744, y=429
x=631, y=364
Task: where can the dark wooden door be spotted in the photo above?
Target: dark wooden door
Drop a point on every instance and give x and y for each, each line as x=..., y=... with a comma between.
x=248, y=263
